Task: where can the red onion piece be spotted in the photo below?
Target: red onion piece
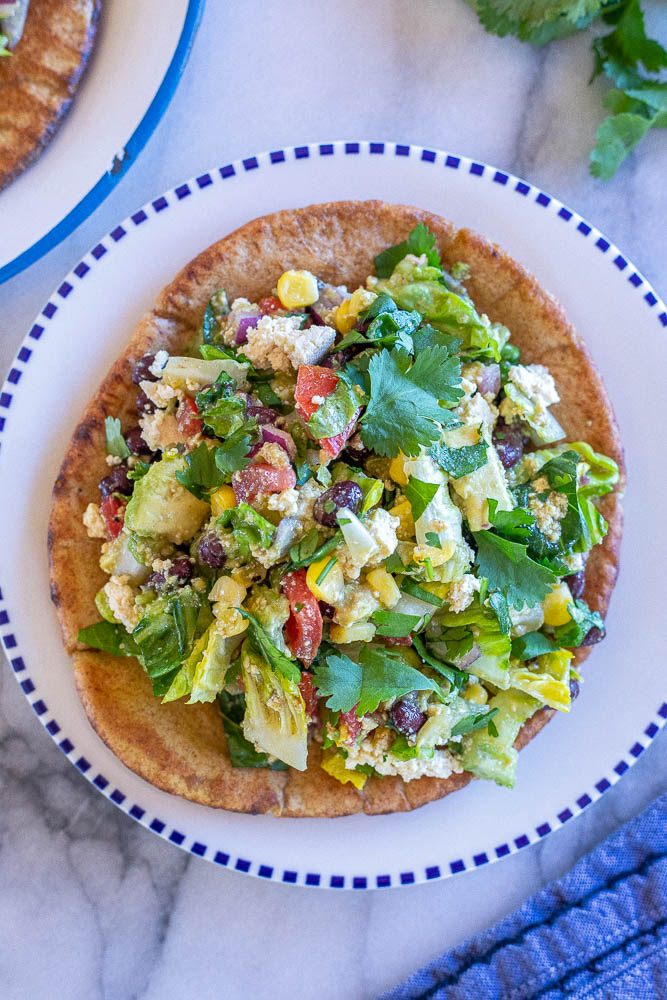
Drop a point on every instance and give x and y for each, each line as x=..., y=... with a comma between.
x=488, y=380
x=245, y=323
x=275, y=436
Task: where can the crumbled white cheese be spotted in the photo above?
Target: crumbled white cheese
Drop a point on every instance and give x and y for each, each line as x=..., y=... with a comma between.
x=161, y=565
x=160, y=361
x=376, y=752
x=358, y=604
x=550, y=512
x=160, y=393
x=120, y=597
x=285, y=503
x=278, y=343
x=536, y=382
x=461, y=592
x=318, y=400
x=273, y=454
x=94, y=522
x=382, y=527
x=113, y=460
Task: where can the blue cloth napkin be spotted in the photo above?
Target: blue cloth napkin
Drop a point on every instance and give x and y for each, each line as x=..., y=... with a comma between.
x=600, y=932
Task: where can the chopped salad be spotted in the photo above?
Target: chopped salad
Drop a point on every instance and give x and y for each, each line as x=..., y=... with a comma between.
x=350, y=517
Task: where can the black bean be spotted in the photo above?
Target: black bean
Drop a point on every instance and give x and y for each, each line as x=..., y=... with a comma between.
x=262, y=414
x=407, y=716
x=144, y=404
x=344, y=494
x=142, y=372
x=574, y=688
x=328, y=610
x=576, y=582
x=210, y=550
x=592, y=636
x=136, y=443
x=181, y=569
x=156, y=582
x=116, y=482
x=357, y=452
x=508, y=442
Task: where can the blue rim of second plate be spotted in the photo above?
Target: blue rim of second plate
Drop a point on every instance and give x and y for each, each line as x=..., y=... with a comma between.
x=131, y=149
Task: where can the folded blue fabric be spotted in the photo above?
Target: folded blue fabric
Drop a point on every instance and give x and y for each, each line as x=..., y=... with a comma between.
x=600, y=932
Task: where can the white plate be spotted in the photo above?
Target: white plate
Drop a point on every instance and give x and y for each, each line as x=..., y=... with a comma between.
x=86, y=325
x=124, y=92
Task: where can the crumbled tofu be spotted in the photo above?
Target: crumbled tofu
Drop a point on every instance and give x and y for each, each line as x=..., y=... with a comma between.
x=536, y=382
x=357, y=605
x=550, y=512
x=113, y=460
x=285, y=503
x=278, y=343
x=94, y=522
x=161, y=565
x=461, y=592
x=273, y=454
x=160, y=361
x=475, y=410
x=160, y=430
x=383, y=527
x=575, y=562
x=160, y=393
x=376, y=752
x=120, y=597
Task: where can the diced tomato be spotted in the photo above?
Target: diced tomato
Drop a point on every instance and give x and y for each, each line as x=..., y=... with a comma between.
x=262, y=478
x=187, y=418
x=353, y=723
x=269, y=305
x=313, y=380
x=309, y=696
x=304, y=625
x=113, y=512
x=334, y=445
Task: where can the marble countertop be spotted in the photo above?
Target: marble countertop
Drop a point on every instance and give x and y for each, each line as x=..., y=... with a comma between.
x=93, y=907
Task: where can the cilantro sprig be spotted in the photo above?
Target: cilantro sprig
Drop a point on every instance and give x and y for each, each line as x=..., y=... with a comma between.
x=379, y=675
x=509, y=569
x=626, y=56
x=418, y=242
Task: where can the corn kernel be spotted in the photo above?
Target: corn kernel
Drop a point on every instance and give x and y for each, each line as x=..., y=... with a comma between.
x=437, y=556
x=347, y=311
x=331, y=588
x=406, y=529
x=476, y=693
x=397, y=470
x=222, y=499
x=334, y=765
x=227, y=593
x=228, y=621
x=555, y=605
x=360, y=632
x=297, y=288
x=384, y=587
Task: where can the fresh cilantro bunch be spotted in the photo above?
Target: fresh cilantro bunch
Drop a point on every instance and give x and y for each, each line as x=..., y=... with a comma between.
x=629, y=59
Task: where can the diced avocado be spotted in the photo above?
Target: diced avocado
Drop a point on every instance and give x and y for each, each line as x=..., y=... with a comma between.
x=117, y=559
x=486, y=483
x=495, y=757
x=542, y=426
x=161, y=508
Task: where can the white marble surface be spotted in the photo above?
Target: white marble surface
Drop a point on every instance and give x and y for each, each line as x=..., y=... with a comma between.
x=94, y=907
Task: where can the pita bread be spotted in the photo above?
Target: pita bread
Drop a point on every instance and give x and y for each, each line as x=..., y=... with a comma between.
x=181, y=748
x=39, y=78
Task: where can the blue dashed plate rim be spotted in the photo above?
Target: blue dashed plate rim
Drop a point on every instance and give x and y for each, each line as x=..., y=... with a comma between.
x=12, y=644
x=131, y=150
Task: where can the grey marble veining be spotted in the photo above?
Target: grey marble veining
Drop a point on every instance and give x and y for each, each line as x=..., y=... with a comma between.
x=92, y=906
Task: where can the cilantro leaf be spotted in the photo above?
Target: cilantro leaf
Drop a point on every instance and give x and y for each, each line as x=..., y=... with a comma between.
x=249, y=528
x=420, y=241
x=457, y=678
x=428, y=336
x=139, y=471
x=217, y=308
x=115, y=441
x=527, y=647
x=264, y=647
x=333, y=415
x=394, y=624
x=616, y=137
x=404, y=411
x=498, y=603
x=574, y=632
x=419, y=495
x=513, y=524
x=379, y=676
x=459, y=462
x=471, y=723
x=232, y=455
x=510, y=569
x=201, y=475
